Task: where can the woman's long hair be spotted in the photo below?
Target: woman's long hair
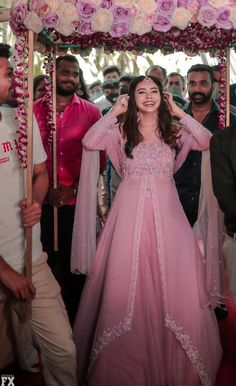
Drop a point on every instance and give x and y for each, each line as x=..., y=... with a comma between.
x=167, y=129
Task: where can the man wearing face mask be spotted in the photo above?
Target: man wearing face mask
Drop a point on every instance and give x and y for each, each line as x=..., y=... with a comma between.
x=200, y=85
x=74, y=116
x=175, y=84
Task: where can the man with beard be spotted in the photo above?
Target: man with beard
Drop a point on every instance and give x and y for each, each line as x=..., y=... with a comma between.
x=74, y=117
x=203, y=108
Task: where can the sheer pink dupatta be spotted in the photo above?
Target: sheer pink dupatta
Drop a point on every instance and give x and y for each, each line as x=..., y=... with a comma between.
x=104, y=135
x=84, y=242
x=209, y=230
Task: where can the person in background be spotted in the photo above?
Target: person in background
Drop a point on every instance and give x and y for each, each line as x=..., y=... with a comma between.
x=48, y=327
x=216, y=91
x=39, y=86
x=157, y=71
x=95, y=90
x=175, y=83
x=144, y=318
x=124, y=83
x=74, y=117
x=233, y=94
x=113, y=176
x=111, y=91
x=110, y=73
x=223, y=168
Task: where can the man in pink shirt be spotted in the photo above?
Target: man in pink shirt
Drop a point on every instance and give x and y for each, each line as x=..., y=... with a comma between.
x=74, y=117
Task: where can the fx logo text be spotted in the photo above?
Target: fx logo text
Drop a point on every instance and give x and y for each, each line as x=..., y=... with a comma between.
x=7, y=380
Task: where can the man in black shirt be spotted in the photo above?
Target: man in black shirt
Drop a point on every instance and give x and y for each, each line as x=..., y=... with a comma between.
x=203, y=108
x=223, y=166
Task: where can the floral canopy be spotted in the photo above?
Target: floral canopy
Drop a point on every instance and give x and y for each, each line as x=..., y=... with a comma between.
x=183, y=25
x=129, y=24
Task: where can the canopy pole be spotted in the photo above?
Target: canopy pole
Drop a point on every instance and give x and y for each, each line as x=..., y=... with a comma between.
x=28, y=172
x=227, y=81
x=54, y=147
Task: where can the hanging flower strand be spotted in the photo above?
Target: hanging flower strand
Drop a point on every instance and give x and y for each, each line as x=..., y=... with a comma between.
x=21, y=93
x=222, y=87
x=48, y=66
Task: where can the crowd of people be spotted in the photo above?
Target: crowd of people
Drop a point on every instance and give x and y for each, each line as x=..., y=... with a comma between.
x=126, y=298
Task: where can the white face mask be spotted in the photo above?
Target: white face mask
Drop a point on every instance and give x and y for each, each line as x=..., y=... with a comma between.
x=96, y=95
x=173, y=90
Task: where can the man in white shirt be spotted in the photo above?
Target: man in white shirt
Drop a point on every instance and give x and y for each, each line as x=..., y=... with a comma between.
x=49, y=324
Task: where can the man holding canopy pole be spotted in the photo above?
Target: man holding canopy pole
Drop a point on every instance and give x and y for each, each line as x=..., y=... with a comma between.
x=48, y=329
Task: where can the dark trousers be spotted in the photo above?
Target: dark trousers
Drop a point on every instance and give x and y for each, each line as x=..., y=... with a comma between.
x=71, y=284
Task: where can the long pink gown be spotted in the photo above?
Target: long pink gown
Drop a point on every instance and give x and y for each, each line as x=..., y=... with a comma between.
x=144, y=318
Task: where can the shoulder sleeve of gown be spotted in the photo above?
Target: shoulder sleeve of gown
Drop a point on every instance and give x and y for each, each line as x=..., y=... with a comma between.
x=102, y=133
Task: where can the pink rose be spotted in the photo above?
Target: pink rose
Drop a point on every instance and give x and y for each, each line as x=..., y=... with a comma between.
x=223, y=20
x=119, y=29
x=18, y=14
x=50, y=21
x=162, y=23
x=207, y=16
x=166, y=7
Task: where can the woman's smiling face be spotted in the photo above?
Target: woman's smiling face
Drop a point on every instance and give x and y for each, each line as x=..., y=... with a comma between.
x=147, y=96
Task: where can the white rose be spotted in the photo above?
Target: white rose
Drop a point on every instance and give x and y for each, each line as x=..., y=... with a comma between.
x=218, y=3
x=147, y=6
x=124, y=3
x=101, y=20
x=181, y=17
x=33, y=22
x=139, y=25
x=53, y=4
x=67, y=13
x=65, y=29
x=232, y=17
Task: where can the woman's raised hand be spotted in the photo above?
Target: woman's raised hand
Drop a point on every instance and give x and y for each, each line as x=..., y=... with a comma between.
x=120, y=106
x=173, y=108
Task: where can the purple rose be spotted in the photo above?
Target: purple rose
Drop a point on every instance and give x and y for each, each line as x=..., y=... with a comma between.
x=223, y=18
x=119, y=29
x=182, y=3
x=50, y=21
x=121, y=14
x=106, y=4
x=207, y=16
x=166, y=7
x=162, y=23
x=85, y=10
x=85, y=28
x=18, y=15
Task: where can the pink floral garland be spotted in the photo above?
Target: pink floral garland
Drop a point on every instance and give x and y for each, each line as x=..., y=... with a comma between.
x=222, y=55
x=21, y=93
x=48, y=66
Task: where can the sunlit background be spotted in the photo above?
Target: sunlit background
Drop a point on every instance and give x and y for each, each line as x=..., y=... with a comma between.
x=93, y=63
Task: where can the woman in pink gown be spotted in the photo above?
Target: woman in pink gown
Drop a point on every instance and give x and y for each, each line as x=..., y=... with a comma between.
x=145, y=316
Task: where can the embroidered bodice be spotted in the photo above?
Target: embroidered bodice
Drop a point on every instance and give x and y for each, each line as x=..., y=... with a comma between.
x=149, y=159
